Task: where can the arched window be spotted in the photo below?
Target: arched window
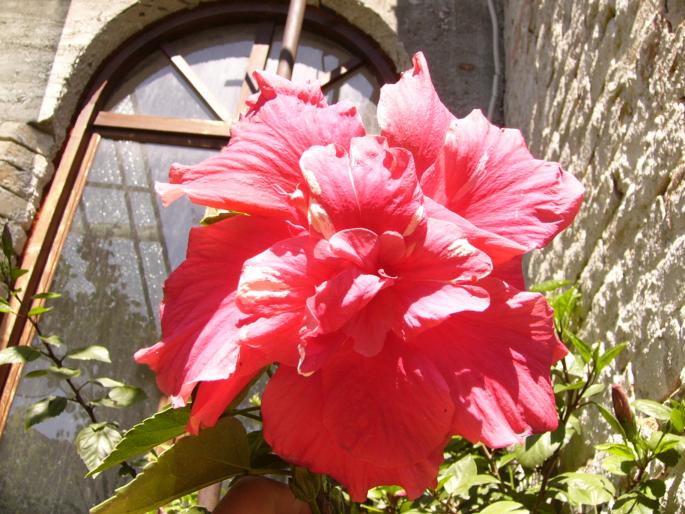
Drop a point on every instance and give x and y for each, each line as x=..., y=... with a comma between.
x=102, y=238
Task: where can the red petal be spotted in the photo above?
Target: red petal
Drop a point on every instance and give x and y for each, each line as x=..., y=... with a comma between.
x=258, y=172
x=364, y=421
x=498, y=248
x=488, y=176
x=445, y=255
x=337, y=300
x=213, y=398
x=199, y=315
x=497, y=364
x=360, y=246
x=271, y=86
x=412, y=116
x=273, y=292
x=427, y=304
x=374, y=187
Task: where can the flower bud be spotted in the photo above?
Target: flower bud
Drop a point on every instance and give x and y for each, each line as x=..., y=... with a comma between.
x=621, y=406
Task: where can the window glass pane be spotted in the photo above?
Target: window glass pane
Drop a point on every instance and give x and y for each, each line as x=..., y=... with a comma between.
x=219, y=57
x=121, y=246
x=155, y=88
x=362, y=90
x=315, y=55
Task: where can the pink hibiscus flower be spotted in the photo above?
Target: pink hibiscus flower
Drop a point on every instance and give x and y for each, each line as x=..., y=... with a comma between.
x=382, y=274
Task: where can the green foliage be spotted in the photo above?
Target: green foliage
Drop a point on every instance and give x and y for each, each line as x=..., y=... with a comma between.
x=216, y=454
x=304, y=484
x=49, y=407
x=146, y=435
x=16, y=354
x=95, y=441
x=90, y=353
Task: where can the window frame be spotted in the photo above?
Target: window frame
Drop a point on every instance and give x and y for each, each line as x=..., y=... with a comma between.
x=53, y=220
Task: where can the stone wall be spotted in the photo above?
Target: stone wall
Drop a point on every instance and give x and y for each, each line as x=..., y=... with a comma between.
x=29, y=34
x=599, y=86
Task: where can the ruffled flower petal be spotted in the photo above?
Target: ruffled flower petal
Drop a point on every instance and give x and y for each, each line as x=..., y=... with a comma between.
x=373, y=187
x=354, y=417
x=258, y=172
x=497, y=364
x=412, y=116
x=213, y=398
x=199, y=315
x=487, y=175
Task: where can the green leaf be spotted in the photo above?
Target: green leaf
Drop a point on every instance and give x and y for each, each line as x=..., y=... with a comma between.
x=653, y=409
x=213, y=215
x=504, y=507
x=586, y=489
x=144, y=436
x=549, y=285
x=90, y=353
x=7, y=246
x=653, y=489
x=192, y=463
x=125, y=395
x=560, y=388
x=56, y=371
x=594, y=390
x=95, y=441
x=459, y=476
x=609, y=418
x=622, y=450
x=4, y=308
x=678, y=417
x=618, y=465
x=660, y=442
x=635, y=503
x=582, y=348
x=48, y=408
x=608, y=357
x=37, y=311
x=52, y=340
x=304, y=484
x=538, y=448
x=46, y=296
x=15, y=273
x=15, y=354
x=108, y=382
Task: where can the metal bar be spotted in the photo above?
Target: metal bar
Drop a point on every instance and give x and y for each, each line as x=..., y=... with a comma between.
x=257, y=61
x=291, y=38
x=195, y=82
x=179, y=126
x=330, y=79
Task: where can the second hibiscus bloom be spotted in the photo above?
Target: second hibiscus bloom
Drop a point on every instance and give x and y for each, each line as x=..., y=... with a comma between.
x=381, y=273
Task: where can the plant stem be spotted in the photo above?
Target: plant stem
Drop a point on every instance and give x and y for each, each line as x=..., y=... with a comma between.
x=85, y=405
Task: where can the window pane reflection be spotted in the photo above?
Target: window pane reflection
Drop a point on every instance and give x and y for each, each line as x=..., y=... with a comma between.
x=120, y=248
x=155, y=88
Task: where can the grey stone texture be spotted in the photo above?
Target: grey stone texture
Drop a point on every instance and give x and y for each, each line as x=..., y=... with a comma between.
x=598, y=86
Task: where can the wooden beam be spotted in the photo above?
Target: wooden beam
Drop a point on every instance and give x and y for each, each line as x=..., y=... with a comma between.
x=159, y=124
x=333, y=77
